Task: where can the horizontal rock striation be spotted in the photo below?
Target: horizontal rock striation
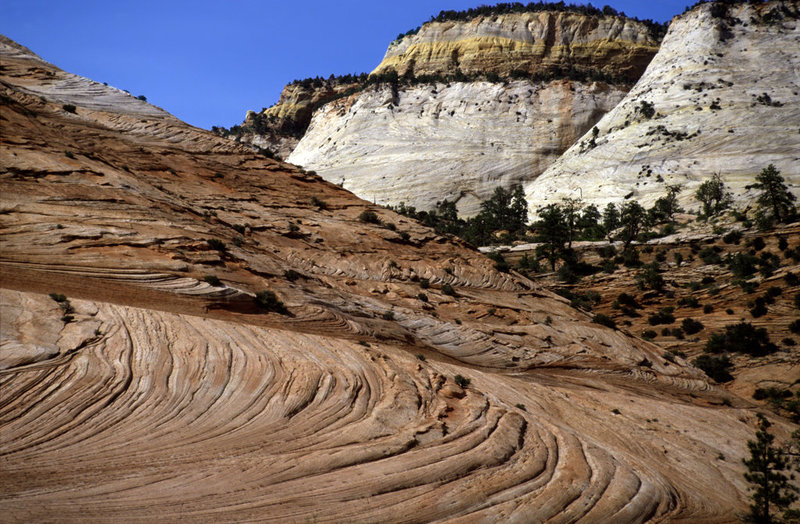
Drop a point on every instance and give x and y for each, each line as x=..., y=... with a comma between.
x=158, y=387
x=721, y=96
x=525, y=42
x=458, y=141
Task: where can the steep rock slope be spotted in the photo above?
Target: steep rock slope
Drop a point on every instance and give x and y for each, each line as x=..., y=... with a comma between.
x=457, y=141
x=721, y=96
x=149, y=391
x=428, y=138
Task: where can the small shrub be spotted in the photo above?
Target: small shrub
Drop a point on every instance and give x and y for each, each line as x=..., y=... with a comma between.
x=708, y=308
x=388, y=315
x=791, y=279
x=664, y=316
x=424, y=283
x=447, y=289
x=604, y=320
x=369, y=217
x=212, y=280
x=717, y=368
x=67, y=319
x=783, y=244
x=500, y=262
x=423, y=297
x=759, y=308
x=774, y=291
x=616, y=411
x=217, y=245
x=649, y=334
x=794, y=327
x=421, y=357
x=462, y=381
x=291, y=275
x=741, y=338
x=58, y=297
x=691, y=302
x=69, y=108
x=788, y=341
x=269, y=301
x=521, y=406
x=734, y=237
x=709, y=256
x=319, y=203
x=691, y=326
x=405, y=235
x=239, y=228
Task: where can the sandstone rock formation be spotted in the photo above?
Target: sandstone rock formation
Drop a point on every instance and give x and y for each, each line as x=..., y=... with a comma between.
x=423, y=141
x=525, y=42
x=152, y=392
x=457, y=141
x=278, y=128
x=721, y=96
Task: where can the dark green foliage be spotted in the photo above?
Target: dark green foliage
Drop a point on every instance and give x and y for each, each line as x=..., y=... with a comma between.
x=422, y=296
x=794, y=327
x=552, y=233
x=759, y=308
x=734, y=237
x=447, y=289
x=791, y=279
x=741, y=338
x=212, y=280
x=757, y=243
x=610, y=219
x=664, y=316
x=318, y=203
x=665, y=207
x=424, y=283
x=462, y=382
x=239, y=228
x=58, y=297
x=772, y=489
x=775, y=200
x=689, y=302
x=628, y=300
x=708, y=308
x=710, y=256
x=649, y=277
x=216, y=244
x=528, y=263
x=369, y=217
x=716, y=368
x=69, y=108
x=633, y=220
x=142, y=98
x=604, y=320
x=500, y=263
x=630, y=258
x=269, y=301
x=713, y=195
x=649, y=334
x=388, y=315
x=291, y=275
x=691, y=326
x=774, y=291
x=783, y=244
x=742, y=264
x=646, y=109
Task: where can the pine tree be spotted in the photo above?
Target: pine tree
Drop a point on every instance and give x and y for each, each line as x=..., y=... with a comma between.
x=771, y=488
x=713, y=195
x=775, y=197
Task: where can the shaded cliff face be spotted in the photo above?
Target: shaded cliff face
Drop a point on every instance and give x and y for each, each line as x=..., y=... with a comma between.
x=721, y=96
x=525, y=42
x=458, y=141
x=151, y=391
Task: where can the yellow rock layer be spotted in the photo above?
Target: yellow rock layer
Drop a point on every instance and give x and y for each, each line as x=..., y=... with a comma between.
x=503, y=55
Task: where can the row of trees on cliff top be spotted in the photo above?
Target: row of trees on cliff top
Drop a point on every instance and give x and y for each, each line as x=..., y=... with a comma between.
x=657, y=30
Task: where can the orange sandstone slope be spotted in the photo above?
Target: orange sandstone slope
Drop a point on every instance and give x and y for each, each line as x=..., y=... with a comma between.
x=151, y=393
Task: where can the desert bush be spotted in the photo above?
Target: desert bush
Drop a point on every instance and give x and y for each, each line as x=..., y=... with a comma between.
x=664, y=316
x=69, y=108
x=604, y=320
x=741, y=338
x=369, y=217
x=216, y=244
x=462, y=381
x=422, y=296
x=447, y=289
x=319, y=203
x=388, y=315
x=691, y=326
x=269, y=301
x=717, y=368
x=212, y=280
x=291, y=275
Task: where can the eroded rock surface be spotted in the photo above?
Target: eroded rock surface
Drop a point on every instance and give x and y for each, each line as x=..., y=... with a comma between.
x=171, y=396
x=722, y=96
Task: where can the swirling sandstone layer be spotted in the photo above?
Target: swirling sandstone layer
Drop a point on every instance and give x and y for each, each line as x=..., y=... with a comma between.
x=725, y=98
x=153, y=394
x=525, y=42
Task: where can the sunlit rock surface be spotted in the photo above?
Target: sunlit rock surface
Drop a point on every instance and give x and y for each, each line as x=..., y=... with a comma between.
x=150, y=393
x=725, y=99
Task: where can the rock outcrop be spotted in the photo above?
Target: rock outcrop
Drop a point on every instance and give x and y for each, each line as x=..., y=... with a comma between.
x=721, y=96
x=457, y=135
x=529, y=43
x=389, y=372
x=459, y=141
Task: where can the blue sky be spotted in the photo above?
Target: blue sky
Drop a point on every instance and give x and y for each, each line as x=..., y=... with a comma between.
x=208, y=62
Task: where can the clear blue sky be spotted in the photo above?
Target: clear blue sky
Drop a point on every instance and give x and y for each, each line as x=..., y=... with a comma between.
x=208, y=62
